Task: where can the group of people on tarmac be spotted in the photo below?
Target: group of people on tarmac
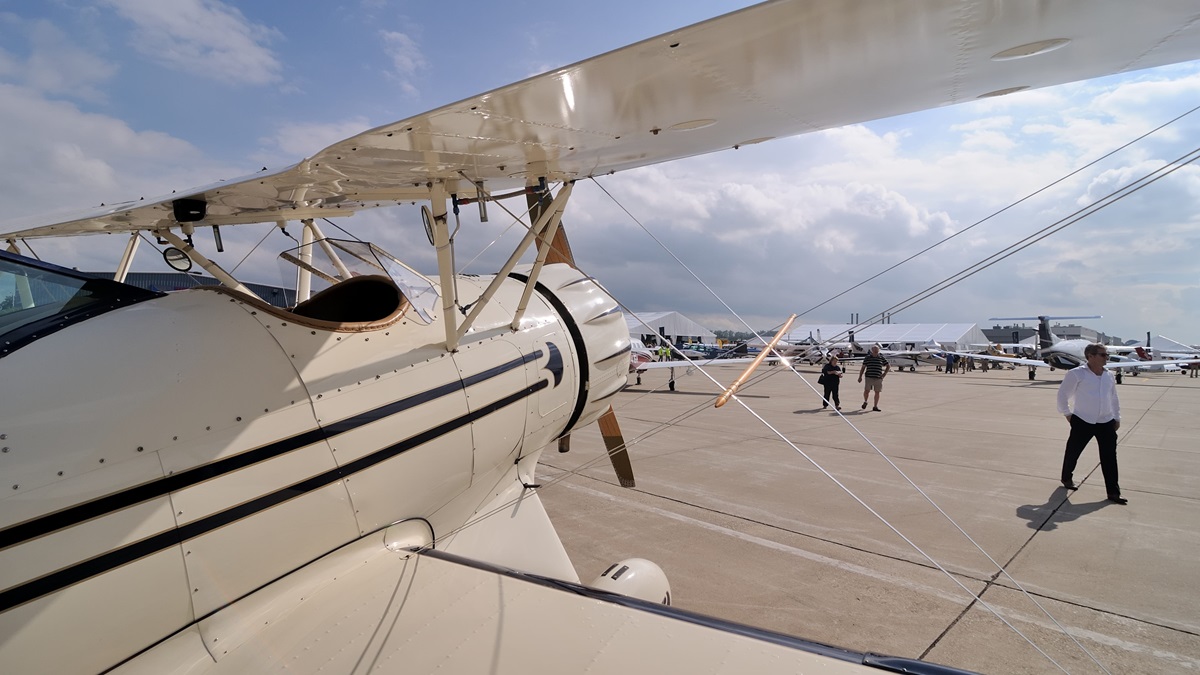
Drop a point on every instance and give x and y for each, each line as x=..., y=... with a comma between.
x=964, y=364
x=874, y=367
x=1087, y=398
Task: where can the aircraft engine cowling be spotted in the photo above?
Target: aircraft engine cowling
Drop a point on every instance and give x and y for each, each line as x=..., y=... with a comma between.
x=598, y=330
x=636, y=578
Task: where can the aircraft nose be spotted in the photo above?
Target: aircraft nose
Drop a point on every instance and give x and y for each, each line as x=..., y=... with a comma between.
x=598, y=331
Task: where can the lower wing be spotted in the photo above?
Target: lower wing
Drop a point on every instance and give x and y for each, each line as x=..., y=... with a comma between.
x=369, y=609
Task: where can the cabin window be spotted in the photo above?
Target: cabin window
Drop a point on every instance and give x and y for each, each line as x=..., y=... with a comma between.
x=37, y=299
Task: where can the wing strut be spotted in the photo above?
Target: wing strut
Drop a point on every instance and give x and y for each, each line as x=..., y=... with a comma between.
x=548, y=246
x=445, y=260
x=212, y=267
x=127, y=258
x=544, y=228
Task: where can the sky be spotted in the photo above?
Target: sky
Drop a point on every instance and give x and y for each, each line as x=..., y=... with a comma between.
x=109, y=100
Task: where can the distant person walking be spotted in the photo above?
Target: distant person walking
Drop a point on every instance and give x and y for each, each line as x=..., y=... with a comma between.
x=875, y=367
x=1095, y=412
x=831, y=374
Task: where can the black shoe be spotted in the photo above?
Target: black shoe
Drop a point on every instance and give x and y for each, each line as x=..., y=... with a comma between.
x=876, y=409
x=839, y=407
x=1118, y=499
x=864, y=405
x=824, y=406
x=1070, y=485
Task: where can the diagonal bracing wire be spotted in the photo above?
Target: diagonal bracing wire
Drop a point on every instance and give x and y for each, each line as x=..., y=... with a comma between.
x=858, y=499
x=1059, y=225
x=1006, y=208
x=815, y=464
x=983, y=264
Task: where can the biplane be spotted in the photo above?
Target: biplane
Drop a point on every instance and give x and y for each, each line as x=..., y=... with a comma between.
x=202, y=482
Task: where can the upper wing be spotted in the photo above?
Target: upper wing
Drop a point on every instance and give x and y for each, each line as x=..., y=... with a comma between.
x=771, y=70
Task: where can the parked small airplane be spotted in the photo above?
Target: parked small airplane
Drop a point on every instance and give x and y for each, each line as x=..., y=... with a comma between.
x=1067, y=354
x=922, y=354
x=201, y=482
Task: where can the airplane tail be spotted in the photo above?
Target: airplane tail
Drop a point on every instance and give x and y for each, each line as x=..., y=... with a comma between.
x=1046, y=338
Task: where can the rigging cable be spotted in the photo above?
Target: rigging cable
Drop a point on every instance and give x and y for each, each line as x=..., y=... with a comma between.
x=26, y=242
x=1006, y=208
x=344, y=231
x=260, y=241
x=987, y=262
x=881, y=453
x=809, y=458
x=1057, y=226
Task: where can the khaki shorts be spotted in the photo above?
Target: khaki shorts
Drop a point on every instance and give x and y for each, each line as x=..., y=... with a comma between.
x=874, y=384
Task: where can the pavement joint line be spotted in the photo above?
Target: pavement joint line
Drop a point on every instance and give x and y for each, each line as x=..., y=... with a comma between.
x=698, y=507
x=1184, y=631
x=996, y=579
x=1030, y=618
x=808, y=555
x=1002, y=571
x=1149, y=411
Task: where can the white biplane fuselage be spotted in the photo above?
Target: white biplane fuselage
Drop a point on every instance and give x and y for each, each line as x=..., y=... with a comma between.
x=166, y=458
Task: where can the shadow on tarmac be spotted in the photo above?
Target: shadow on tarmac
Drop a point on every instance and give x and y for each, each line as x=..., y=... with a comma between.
x=846, y=410
x=709, y=394
x=1057, y=509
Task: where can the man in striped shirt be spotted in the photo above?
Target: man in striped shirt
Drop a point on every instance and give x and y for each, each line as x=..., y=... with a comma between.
x=1096, y=413
x=875, y=367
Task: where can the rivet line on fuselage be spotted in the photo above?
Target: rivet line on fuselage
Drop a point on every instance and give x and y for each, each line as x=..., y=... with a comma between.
x=105, y=562
x=101, y=506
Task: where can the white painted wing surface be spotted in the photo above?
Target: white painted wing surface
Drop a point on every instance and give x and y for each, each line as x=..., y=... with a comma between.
x=776, y=69
x=366, y=609
x=1110, y=365
x=1002, y=359
x=1146, y=364
x=705, y=363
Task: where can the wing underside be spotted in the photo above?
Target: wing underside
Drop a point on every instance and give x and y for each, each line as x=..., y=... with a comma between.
x=772, y=70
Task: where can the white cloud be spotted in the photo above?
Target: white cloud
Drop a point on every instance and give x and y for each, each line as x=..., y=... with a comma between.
x=55, y=65
x=202, y=37
x=57, y=156
x=9, y=66
x=405, y=57
x=297, y=140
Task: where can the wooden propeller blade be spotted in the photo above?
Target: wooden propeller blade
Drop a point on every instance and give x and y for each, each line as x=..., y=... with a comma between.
x=560, y=248
x=614, y=442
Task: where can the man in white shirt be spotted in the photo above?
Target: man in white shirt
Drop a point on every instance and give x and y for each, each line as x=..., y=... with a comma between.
x=1096, y=413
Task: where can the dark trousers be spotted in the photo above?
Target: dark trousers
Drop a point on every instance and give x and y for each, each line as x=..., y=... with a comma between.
x=831, y=394
x=1106, y=438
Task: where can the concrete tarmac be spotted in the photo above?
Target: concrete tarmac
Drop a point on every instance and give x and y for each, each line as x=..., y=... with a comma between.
x=748, y=529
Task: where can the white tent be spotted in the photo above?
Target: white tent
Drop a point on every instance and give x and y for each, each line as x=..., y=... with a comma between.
x=675, y=326
x=893, y=335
